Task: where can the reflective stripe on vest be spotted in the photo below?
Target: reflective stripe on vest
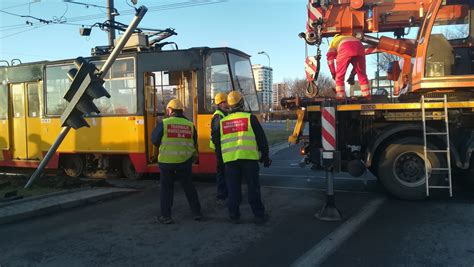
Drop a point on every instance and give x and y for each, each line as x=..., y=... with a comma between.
x=177, y=144
x=237, y=138
x=222, y=115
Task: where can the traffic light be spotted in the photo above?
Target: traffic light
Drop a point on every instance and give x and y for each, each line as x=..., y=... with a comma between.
x=86, y=86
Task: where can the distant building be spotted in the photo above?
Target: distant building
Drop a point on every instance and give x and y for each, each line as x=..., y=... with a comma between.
x=263, y=79
x=280, y=90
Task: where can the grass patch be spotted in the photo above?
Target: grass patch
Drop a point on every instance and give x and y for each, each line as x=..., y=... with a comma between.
x=277, y=136
x=43, y=185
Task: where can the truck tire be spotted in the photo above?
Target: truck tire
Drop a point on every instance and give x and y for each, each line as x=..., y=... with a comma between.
x=401, y=168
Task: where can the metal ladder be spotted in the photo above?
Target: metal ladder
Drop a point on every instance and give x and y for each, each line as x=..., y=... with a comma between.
x=446, y=151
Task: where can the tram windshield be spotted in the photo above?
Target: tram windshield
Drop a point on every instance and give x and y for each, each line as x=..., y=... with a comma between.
x=240, y=78
x=244, y=82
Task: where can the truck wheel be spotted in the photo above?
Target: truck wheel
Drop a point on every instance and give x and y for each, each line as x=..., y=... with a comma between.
x=73, y=165
x=128, y=169
x=401, y=168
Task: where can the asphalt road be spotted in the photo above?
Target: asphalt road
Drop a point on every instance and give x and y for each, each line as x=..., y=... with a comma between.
x=436, y=232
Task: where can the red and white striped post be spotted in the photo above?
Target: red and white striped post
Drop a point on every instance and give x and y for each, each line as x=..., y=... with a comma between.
x=329, y=212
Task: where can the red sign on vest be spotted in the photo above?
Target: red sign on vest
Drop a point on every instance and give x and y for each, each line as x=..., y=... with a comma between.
x=236, y=125
x=179, y=131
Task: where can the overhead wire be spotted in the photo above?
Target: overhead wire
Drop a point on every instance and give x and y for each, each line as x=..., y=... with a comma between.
x=29, y=29
x=10, y=7
x=70, y=21
x=190, y=3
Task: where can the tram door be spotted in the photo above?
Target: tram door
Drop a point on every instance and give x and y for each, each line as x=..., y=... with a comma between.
x=151, y=114
x=25, y=127
x=160, y=88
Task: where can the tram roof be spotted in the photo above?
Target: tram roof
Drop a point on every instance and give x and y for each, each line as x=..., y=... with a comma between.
x=134, y=53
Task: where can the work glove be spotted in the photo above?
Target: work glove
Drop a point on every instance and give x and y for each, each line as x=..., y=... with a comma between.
x=351, y=80
x=266, y=161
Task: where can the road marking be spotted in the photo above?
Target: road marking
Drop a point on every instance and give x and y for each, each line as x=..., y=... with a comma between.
x=326, y=247
x=312, y=189
x=283, y=167
x=319, y=177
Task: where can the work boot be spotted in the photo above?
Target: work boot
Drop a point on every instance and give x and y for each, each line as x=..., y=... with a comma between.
x=233, y=220
x=197, y=216
x=261, y=220
x=221, y=202
x=165, y=220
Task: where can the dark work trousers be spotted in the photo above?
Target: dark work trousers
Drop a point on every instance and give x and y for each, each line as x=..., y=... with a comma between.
x=220, y=178
x=169, y=172
x=235, y=171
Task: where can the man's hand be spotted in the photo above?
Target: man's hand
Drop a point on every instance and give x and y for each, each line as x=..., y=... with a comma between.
x=196, y=158
x=351, y=80
x=266, y=161
x=333, y=75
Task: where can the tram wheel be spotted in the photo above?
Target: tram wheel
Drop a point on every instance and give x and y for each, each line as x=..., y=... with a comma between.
x=128, y=169
x=73, y=165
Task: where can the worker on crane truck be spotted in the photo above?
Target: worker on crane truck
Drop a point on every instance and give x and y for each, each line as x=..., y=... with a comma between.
x=347, y=50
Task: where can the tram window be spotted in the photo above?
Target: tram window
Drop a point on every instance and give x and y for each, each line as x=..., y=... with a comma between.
x=121, y=84
x=243, y=80
x=217, y=77
x=33, y=100
x=164, y=91
x=3, y=102
x=57, y=83
x=123, y=68
x=123, y=97
x=18, y=100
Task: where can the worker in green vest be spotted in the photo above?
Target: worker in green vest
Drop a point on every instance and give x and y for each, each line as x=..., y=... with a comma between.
x=243, y=144
x=176, y=139
x=220, y=100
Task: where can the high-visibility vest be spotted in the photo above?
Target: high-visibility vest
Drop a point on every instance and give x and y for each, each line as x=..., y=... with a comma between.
x=177, y=143
x=237, y=138
x=222, y=115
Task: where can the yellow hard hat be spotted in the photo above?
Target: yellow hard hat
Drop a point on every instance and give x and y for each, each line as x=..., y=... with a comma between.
x=219, y=98
x=175, y=104
x=233, y=98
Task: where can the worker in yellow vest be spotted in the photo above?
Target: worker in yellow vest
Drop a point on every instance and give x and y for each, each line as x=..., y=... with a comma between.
x=220, y=100
x=243, y=143
x=176, y=139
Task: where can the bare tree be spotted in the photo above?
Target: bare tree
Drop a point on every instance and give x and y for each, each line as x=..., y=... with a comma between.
x=384, y=60
x=325, y=86
x=298, y=86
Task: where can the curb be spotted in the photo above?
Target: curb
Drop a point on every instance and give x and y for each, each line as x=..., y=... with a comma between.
x=63, y=206
x=53, y=194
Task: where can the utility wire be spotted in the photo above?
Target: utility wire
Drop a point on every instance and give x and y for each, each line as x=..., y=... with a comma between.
x=185, y=4
x=10, y=7
x=27, y=16
x=29, y=29
x=70, y=21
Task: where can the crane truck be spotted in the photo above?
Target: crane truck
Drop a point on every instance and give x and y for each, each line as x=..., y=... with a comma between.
x=414, y=139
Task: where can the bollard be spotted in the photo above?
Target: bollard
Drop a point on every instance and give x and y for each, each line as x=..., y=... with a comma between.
x=329, y=212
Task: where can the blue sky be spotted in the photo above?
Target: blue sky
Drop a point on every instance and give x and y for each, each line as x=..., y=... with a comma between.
x=251, y=26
